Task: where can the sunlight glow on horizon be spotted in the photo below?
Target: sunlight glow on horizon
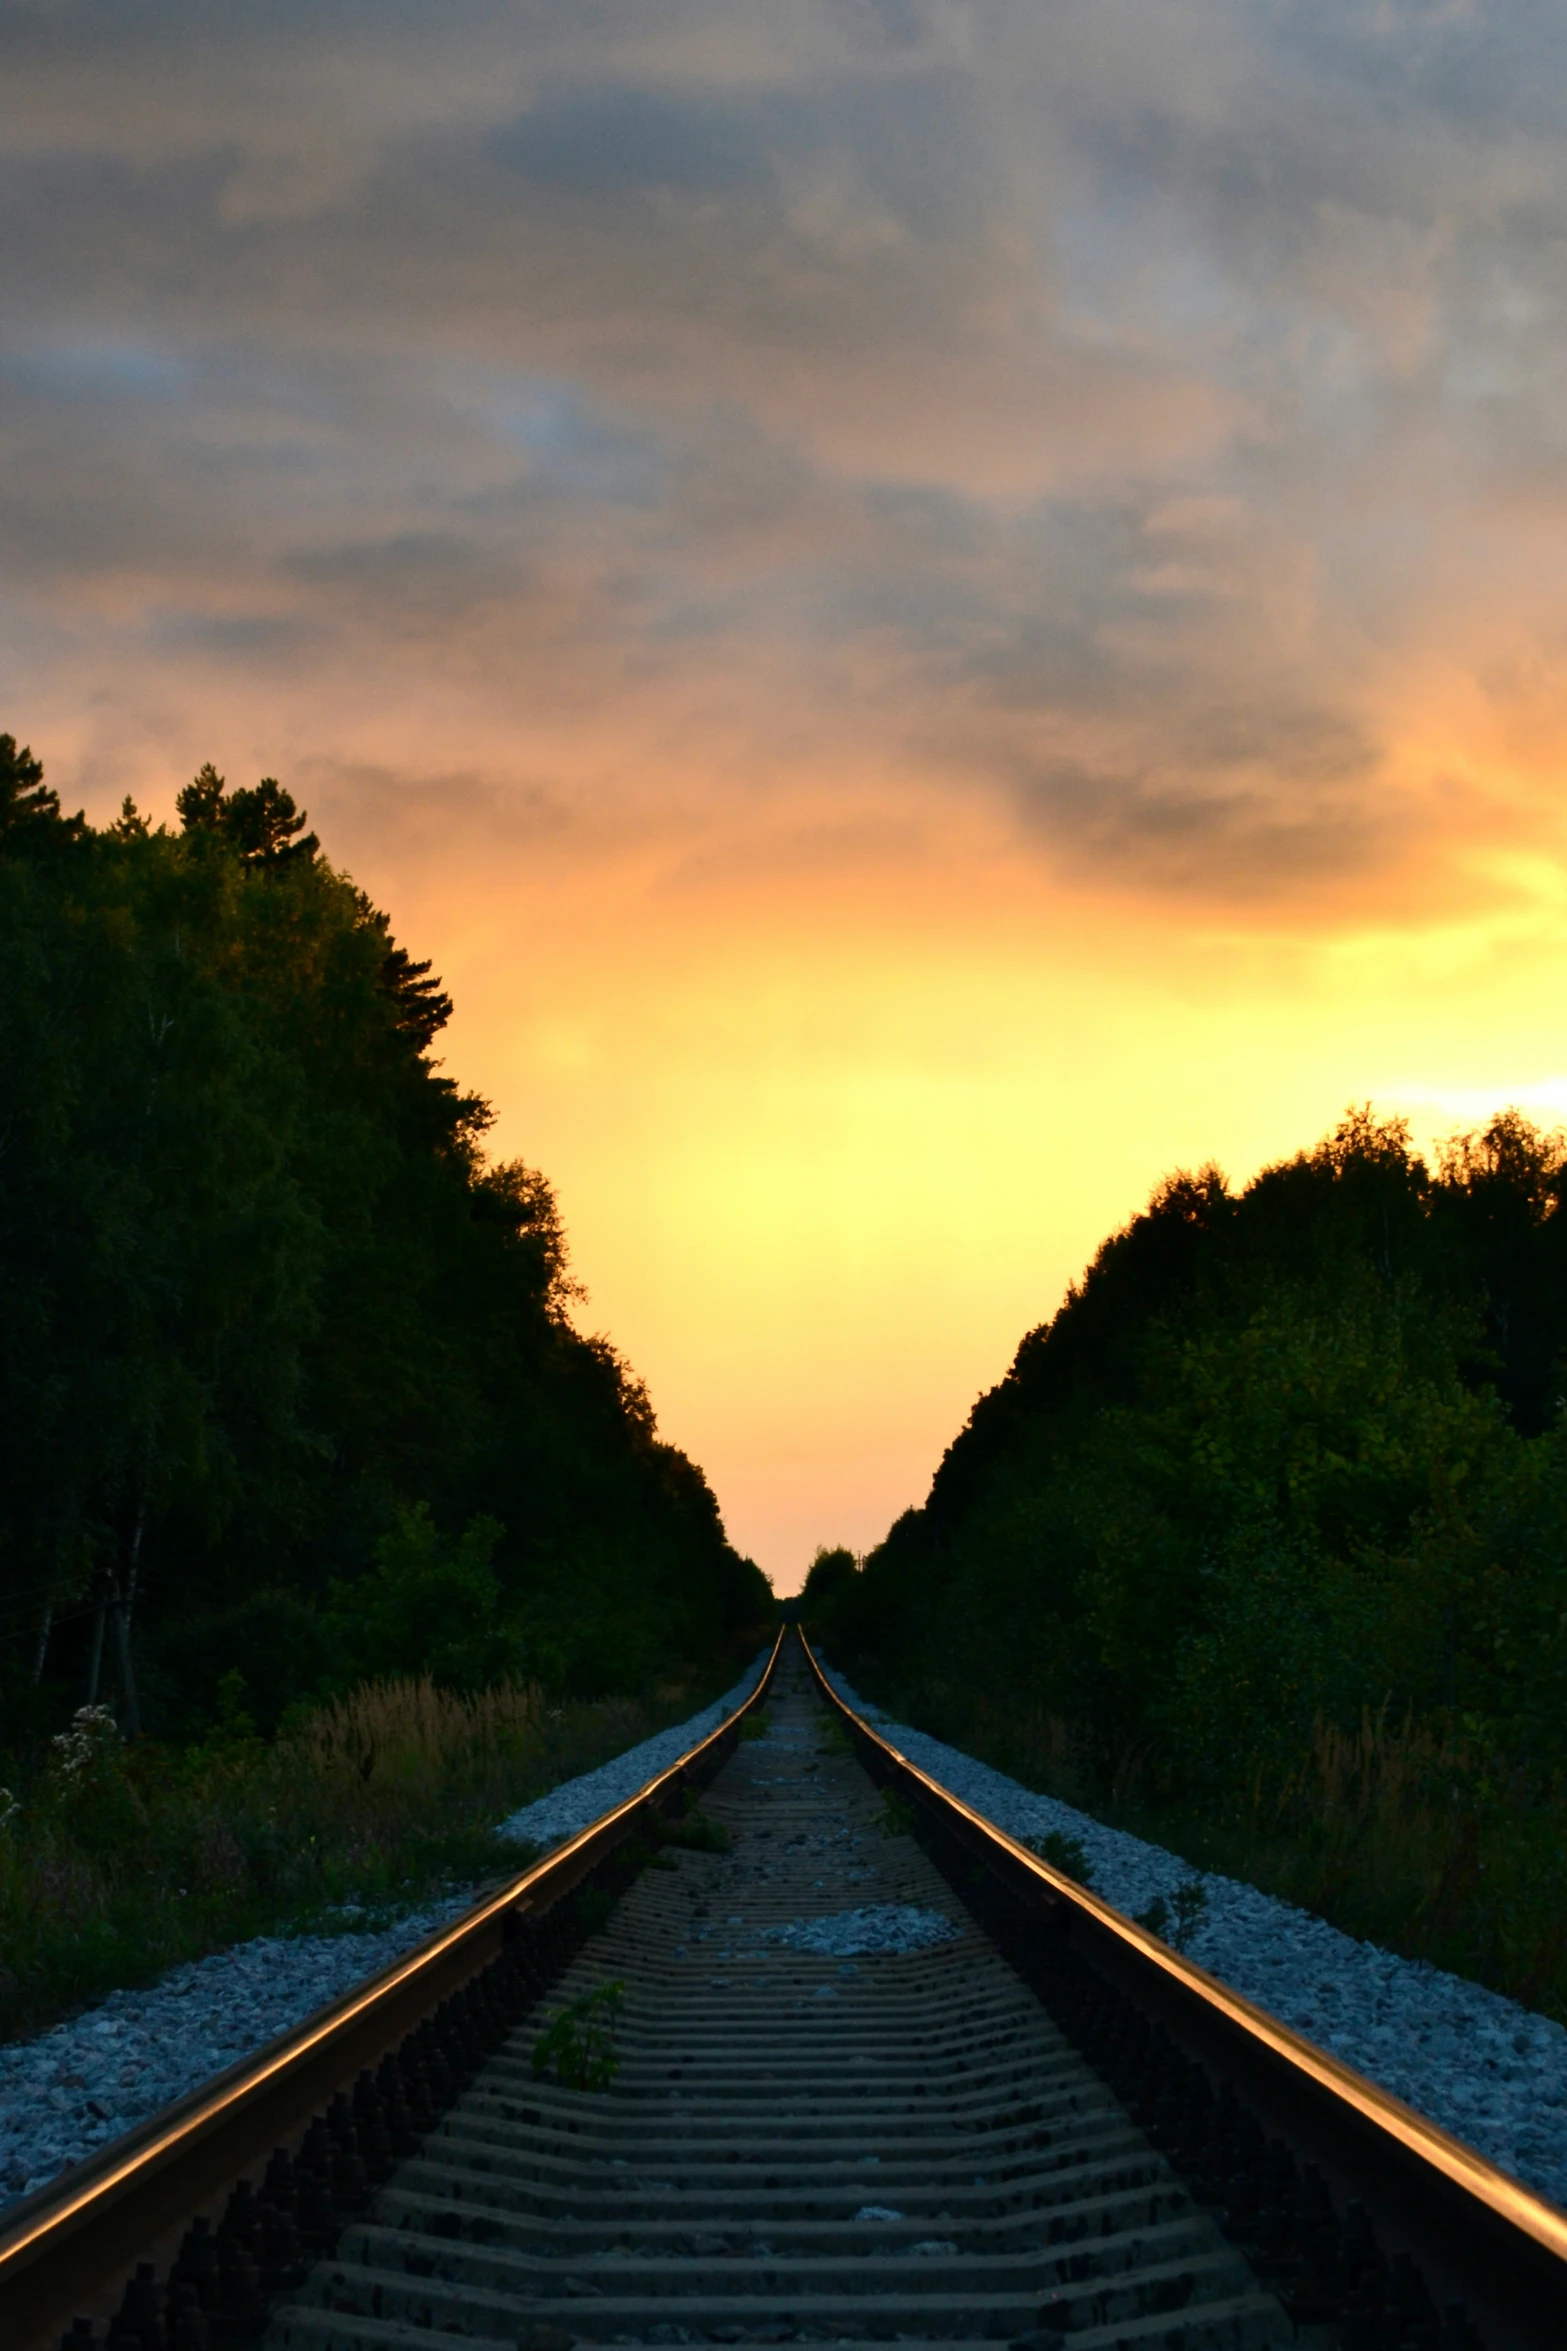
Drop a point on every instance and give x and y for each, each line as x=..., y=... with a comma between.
x=819, y=1182
x=931, y=611
x=826, y=1149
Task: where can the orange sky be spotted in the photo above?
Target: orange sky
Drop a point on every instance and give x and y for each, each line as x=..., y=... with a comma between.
x=930, y=609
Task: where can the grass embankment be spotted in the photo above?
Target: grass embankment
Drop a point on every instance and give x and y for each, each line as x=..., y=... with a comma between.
x=116, y=1861
x=1425, y=1842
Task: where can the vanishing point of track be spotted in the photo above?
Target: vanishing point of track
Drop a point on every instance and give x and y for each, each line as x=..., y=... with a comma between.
x=1040, y=2128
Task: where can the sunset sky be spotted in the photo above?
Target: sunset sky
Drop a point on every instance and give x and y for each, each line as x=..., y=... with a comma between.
x=931, y=607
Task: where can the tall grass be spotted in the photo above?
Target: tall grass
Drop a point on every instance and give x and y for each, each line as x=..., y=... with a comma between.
x=1425, y=1839
x=401, y=1735
x=117, y=1860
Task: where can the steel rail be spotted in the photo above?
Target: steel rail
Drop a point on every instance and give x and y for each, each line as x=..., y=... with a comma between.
x=62, y=2247
x=1485, y=2238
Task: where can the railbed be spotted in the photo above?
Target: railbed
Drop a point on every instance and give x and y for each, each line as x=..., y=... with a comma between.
x=1028, y=2120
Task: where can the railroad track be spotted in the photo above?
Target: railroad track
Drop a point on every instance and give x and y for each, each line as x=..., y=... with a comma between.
x=877, y=2074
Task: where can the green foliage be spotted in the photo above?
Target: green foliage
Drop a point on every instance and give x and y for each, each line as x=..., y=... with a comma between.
x=287, y=1371
x=698, y=1834
x=119, y=1858
x=1287, y=1460
x=895, y=1817
x=278, y=1633
x=87, y=1790
x=1066, y=1854
x=1177, y=1919
x=578, y=2044
x=261, y=824
x=233, y=1737
x=1189, y=1903
x=594, y=1907
x=828, y=1579
x=756, y=1726
x=428, y=1606
x=1260, y=1468
x=30, y=818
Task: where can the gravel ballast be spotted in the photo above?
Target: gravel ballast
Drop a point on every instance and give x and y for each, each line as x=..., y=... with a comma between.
x=1489, y=2071
x=880, y=1930
x=85, y=2081
x=98, y=2074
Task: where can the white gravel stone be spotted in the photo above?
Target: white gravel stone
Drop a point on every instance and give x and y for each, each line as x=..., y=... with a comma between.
x=880, y=1930
x=1489, y=2071
x=68, y=2090
x=89, y=2079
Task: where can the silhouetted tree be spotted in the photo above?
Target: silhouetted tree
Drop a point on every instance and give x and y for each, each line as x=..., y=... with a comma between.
x=29, y=808
x=260, y=821
x=1296, y=1451
x=262, y=1296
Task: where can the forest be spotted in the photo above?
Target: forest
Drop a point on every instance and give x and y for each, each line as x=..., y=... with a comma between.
x=290, y=1383
x=1261, y=1544
x=310, y=1487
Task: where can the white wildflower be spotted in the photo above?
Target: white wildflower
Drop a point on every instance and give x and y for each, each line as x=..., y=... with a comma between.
x=92, y=1738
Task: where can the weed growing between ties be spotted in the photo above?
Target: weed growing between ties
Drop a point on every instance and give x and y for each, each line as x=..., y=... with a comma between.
x=577, y=2046
x=895, y=1819
x=594, y=1908
x=697, y=1833
x=756, y=1726
x=118, y=1860
x=1066, y=1854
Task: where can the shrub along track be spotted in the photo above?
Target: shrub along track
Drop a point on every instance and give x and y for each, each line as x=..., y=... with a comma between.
x=794, y=2144
x=867, y=2085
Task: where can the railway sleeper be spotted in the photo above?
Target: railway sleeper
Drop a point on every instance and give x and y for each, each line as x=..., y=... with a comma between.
x=663, y=2222
x=977, y=2142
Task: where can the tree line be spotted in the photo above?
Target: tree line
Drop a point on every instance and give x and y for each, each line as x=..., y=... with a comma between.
x=1288, y=1457
x=289, y=1383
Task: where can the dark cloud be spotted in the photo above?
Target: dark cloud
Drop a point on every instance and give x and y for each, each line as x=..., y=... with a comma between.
x=412, y=580
x=1233, y=804
x=1065, y=402
x=1214, y=839
x=253, y=639
x=604, y=146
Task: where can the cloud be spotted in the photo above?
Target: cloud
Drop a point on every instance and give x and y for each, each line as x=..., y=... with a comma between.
x=885, y=584
x=1067, y=404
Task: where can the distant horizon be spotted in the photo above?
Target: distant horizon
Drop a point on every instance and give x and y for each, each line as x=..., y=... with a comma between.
x=1548, y=1112
x=929, y=612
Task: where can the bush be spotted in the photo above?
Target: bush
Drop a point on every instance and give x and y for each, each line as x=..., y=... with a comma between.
x=1065, y=1854
x=428, y=1607
x=117, y=1860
